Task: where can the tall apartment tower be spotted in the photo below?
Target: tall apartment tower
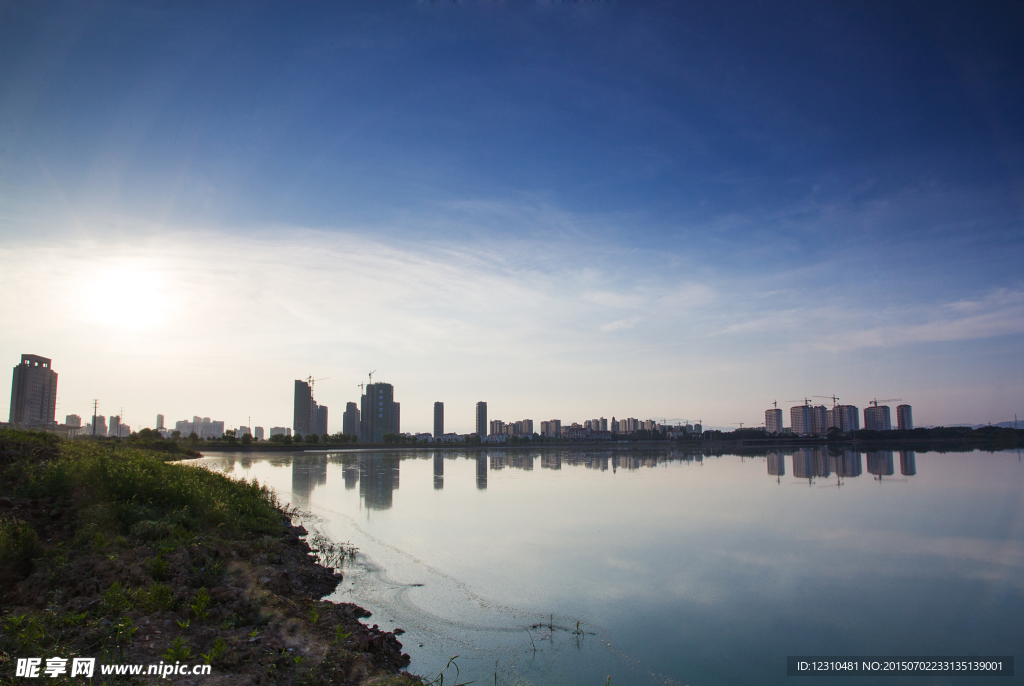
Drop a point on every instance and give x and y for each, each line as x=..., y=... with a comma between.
x=159, y=422
x=438, y=419
x=303, y=419
x=34, y=392
x=481, y=419
x=379, y=413
x=773, y=421
x=800, y=419
x=877, y=418
x=904, y=418
x=350, y=420
x=819, y=420
x=321, y=420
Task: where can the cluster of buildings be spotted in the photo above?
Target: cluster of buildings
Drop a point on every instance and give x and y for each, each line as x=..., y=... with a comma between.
x=34, y=404
x=816, y=420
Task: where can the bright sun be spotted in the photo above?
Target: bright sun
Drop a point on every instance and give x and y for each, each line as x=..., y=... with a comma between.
x=126, y=296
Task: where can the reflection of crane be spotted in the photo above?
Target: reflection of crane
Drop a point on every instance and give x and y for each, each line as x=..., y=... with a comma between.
x=835, y=399
x=887, y=400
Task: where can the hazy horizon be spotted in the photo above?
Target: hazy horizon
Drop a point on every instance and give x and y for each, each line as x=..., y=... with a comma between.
x=566, y=210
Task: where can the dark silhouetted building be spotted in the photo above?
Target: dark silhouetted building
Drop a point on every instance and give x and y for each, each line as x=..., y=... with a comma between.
x=904, y=418
x=379, y=413
x=309, y=417
x=481, y=419
x=438, y=420
x=34, y=393
x=350, y=420
x=321, y=420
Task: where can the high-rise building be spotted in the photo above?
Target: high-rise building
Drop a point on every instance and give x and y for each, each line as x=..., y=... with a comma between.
x=350, y=420
x=551, y=429
x=73, y=421
x=481, y=419
x=34, y=392
x=877, y=418
x=280, y=431
x=115, y=426
x=438, y=420
x=379, y=413
x=258, y=433
x=800, y=419
x=819, y=420
x=773, y=421
x=304, y=416
x=159, y=422
x=99, y=425
x=321, y=420
x=846, y=418
x=604, y=425
x=904, y=418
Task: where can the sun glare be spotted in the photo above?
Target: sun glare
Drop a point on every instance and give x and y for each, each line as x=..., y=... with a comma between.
x=126, y=296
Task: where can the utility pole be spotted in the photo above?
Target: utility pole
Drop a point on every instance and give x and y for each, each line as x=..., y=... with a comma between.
x=95, y=403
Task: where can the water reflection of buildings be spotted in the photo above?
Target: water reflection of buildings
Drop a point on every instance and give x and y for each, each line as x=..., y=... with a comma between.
x=481, y=472
x=776, y=464
x=880, y=463
x=307, y=474
x=438, y=467
x=846, y=463
x=811, y=462
x=378, y=480
x=908, y=462
x=515, y=460
x=548, y=461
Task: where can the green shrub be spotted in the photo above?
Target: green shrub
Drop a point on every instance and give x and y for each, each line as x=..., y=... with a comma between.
x=19, y=546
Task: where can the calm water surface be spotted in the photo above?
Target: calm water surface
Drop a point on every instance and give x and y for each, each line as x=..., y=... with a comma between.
x=678, y=568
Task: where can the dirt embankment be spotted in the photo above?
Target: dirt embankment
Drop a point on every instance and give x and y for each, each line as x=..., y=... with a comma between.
x=83, y=576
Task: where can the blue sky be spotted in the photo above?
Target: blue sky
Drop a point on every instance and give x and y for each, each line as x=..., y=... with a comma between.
x=569, y=210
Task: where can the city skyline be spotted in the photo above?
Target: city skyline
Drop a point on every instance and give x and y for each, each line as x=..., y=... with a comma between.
x=571, y=209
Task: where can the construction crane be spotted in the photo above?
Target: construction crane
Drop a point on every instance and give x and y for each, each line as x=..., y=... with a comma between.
x=740, y=423
x=834, y=397
x=805, y=401
x=371, y=377
x=310, y=380
x=887, y=400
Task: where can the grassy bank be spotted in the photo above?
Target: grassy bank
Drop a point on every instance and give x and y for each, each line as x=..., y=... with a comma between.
x=109, y=551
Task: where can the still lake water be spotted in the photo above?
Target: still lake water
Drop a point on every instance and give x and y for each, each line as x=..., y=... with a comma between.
x=679, y=568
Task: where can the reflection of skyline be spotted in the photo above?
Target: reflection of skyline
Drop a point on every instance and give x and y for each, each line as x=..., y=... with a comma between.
x=908, y=462
x=880, y=463
x=846, y=463
x=438, y=472
x=378, y=480
x=811, y=462
x=481, y=472
x=307, y=475
x=776, y=464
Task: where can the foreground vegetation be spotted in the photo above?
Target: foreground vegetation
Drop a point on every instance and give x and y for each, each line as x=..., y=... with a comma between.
x=107, y=550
